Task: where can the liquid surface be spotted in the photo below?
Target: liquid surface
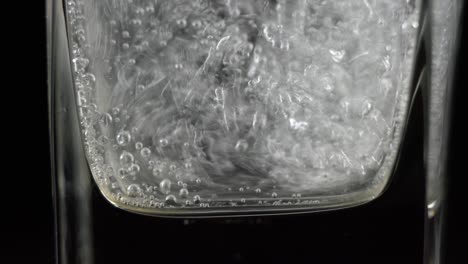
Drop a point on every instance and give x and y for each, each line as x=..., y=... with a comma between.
x=230, y=103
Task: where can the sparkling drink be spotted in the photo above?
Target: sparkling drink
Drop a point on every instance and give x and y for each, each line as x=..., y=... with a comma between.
x=187, y=106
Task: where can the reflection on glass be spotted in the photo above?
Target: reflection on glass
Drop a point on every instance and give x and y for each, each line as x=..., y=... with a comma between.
x=444, y=27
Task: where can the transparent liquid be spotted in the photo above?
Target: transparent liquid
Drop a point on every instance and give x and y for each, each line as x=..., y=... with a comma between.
x=240, y=103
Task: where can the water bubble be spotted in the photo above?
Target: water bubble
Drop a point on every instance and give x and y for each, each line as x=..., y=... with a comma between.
x=134, y=169
x=183, y=193
x=88, y=79
x=145, y=153
x=138, y=145
x=136, y=22
x=188, y=165
x=235, y=12
x=196, y=199
x=105, y=119
x=115, y=111
x=93, y=107
x=109, y=171
x=284, y=44
x=133, y=190
x=80, y=64
x=171, y=199
x=123, y=138
x=140, y=11
x=198, y=180
x=337, y=55
x=165, y=186
x=125, y=46
x=157, y=171
x=274, y=195
x=123, y=173
x=258, y=190
x=242, y=200
x=140, y=88
x=150, y=8
x=125, y=34
x=180, y=183
x=181, y=23
x=126, y=159
x=163, y=142
x=220, y=24
x=197, y=24
x=241, y=189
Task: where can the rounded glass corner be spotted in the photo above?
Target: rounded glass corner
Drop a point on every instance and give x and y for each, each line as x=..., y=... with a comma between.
x=203, y=108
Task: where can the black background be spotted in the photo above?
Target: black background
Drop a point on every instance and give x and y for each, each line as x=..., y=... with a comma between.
x=388, y=230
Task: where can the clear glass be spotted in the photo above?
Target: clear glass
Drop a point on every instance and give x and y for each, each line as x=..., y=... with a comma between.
x=218, y=108
x=206, y=107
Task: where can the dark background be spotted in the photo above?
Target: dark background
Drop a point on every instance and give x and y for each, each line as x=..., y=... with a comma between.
x=388, y=230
